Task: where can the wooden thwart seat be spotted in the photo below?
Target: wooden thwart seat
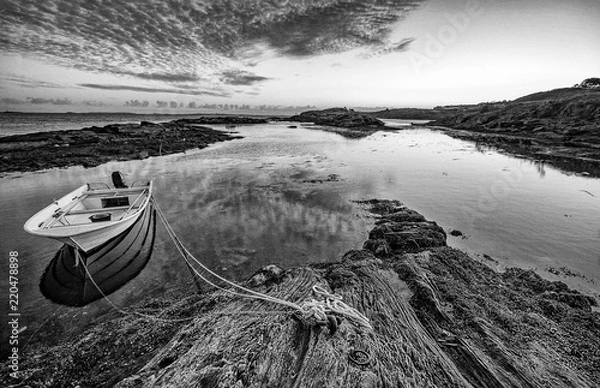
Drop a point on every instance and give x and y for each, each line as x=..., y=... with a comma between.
x=101, y=210
x=112, y=193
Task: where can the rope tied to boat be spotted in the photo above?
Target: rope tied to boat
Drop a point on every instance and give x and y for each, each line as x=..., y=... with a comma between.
x=138, y=314
x=314, y=311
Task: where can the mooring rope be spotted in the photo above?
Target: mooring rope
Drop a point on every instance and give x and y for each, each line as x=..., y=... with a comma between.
x=186, y=255
x=314, y=311
x=114, y=306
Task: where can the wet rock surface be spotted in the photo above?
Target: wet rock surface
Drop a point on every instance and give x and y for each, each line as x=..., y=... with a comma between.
x=439, y=318
x=93, y=146
x=414, y=113
x=227, y=120
x=346, y=122
x=400, y=229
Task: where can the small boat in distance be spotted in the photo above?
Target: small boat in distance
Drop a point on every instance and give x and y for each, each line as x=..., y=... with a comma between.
x=92, y=214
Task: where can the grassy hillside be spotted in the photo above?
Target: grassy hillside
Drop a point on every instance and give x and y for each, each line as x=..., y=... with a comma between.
x=559, y=94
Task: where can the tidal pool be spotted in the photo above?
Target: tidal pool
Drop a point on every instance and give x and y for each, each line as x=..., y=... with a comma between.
x=286, y=196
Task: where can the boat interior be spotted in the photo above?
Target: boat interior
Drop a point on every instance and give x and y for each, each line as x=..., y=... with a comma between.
x=100, y=205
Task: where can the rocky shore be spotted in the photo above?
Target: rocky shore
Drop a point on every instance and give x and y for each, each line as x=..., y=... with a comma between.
x=561, y=127
x=415, y=113
x=439, y=318
x=92, y=146
x=346, y=122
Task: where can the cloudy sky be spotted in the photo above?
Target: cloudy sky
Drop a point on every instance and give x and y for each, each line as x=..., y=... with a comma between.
x=175, y=55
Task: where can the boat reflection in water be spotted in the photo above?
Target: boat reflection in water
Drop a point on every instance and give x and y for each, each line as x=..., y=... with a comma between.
x=110, y=265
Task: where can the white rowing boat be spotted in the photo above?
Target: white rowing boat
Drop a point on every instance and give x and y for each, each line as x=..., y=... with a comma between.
x=105, y=268
x=89, y=216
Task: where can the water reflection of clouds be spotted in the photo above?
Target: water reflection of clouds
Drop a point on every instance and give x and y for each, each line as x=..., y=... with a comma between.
x=280, y=218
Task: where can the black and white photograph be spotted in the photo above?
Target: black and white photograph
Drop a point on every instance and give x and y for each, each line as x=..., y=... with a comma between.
x=300, y=193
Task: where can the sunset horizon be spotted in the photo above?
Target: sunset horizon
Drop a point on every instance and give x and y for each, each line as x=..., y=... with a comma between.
x=176, y=57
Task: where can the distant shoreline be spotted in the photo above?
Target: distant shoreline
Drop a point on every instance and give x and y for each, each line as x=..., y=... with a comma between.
x=581, y=160
x=559, y=127
x=93, y=146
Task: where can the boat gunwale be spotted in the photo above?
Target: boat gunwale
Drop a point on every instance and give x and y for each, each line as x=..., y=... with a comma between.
x=63, y=231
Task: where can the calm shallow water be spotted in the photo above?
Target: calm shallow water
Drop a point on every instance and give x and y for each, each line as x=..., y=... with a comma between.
x=267, y=198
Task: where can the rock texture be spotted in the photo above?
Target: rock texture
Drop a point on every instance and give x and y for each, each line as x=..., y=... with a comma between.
x=414, y=113
x=439, y=319
x=94, y=145
x=227, y=120
x=344, y=121
x=561, y=127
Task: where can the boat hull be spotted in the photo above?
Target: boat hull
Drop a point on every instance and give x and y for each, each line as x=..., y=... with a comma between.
x=72, y=222
x=87, y=241
x=109, y=266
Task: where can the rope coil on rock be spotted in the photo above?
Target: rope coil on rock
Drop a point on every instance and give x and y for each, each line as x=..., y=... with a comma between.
x=317, y=311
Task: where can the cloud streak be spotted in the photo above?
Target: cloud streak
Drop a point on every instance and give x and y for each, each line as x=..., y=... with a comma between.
x=13, y=101
x=156, y=90
x=202, y=43
x=36, y=101
x=53, y=101
x=27, y=82
x=385, y=49
x=236, y=77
